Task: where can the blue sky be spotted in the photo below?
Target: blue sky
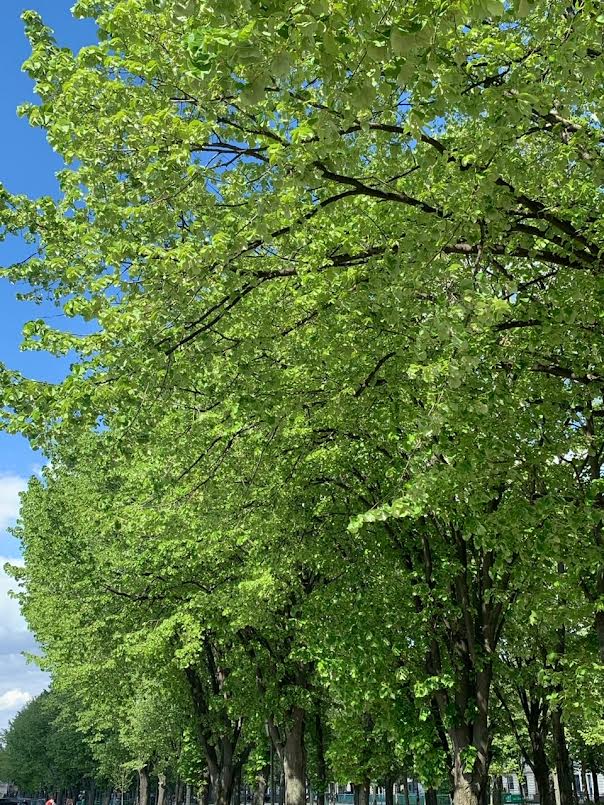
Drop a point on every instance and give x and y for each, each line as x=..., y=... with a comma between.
x=27, y=165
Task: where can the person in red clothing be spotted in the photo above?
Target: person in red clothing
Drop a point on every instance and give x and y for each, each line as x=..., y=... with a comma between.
x=50, y=801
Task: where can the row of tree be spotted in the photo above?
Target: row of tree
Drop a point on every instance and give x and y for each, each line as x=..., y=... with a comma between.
x=44, y=754
x=41, y=750
x=325, y=473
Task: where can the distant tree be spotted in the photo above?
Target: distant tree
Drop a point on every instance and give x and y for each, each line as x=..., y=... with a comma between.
x=44, y=752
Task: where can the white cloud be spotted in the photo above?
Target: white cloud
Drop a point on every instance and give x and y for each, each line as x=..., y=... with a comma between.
x=10, y=487
x=14, y=699
x=11, y=622
x=19, y=680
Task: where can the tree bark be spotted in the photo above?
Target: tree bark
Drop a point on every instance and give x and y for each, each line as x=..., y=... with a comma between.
x=575, y=785
x=143, y=786
x=261, y=783
x=91, y=793
x=203, y=795
x=260, y=786
x=595, y=784
x=497, y=790
x=364, y=792
x=294, y=760
x=322, y=782
x=237, y=787
x=430, y=797
x=220, y=747
x=161, y=789
x=471, y=649
x=563, y=767
x=584, y=786
x=389, y=791
x=188, y=794
x=542, y=773
x=465, y=792
x=599, y=618
x=469, y=783
x=222, y=785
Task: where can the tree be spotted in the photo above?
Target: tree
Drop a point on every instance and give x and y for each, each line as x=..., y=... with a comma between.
x=349, y=248
x=42, y=751
x=97, y=635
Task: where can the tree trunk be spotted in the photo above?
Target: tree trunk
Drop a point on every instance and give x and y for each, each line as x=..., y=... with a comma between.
x=294, y=760
x=223, y=786
x=281, y=786
x=364, y=792
x=105, y=799
x=260, y=786
x=188, y=794
x=237, y=788
x=236, y=797
x=600, y=632
x=389, y=791
x=161, y=789
x=584, y=786
x=219, y=749
x=563, y=768
x=203, y=793
x=469, y=736
x=468, y=784
x=497, y=790
x=91, y=793
x=143, y=786
x=272, y=772
x=430, y=797
x=466, y=791
x=542, y=774
x=574, y=780
x=595, y=784
x=222, y=768
x=321, y=763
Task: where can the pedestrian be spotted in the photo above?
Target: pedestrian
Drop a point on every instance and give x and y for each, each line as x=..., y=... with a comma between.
x=50, y=800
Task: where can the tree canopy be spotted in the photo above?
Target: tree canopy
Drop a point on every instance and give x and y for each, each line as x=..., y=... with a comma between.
x=330, y=445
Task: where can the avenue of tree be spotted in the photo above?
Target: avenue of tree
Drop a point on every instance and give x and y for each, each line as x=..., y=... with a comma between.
x=325, y=473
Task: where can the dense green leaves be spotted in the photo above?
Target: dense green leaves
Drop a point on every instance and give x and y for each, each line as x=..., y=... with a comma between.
x=335, y=430
x=41, y=750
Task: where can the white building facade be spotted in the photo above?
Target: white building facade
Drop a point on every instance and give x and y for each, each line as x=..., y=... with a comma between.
x=528, y=789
